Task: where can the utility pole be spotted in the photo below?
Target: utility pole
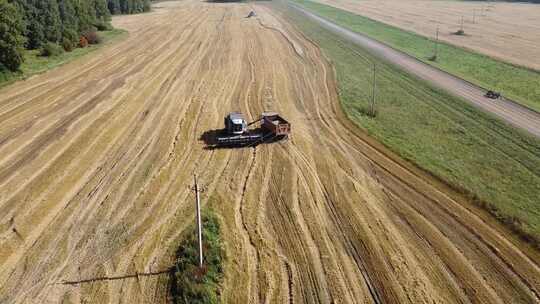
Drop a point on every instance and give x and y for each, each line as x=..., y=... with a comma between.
x=462, y=25
x=199, y=223
x=474, y=16
x=436, y=44
x=372, y=106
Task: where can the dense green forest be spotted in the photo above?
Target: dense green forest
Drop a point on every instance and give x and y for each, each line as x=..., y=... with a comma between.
x=54, y=26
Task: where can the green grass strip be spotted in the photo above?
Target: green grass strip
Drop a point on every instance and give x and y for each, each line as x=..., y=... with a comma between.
x=194, y=285
x=517, y=83
x=36, y=64
x=494, y=163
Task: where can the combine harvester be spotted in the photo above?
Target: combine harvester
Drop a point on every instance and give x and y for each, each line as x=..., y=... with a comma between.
x=237, y=133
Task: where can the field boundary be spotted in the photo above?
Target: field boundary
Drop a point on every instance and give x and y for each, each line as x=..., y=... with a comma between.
x=468, y=49
x=14, y=77
x=488, y=212
x=421, y=61
x=512, y=97
x=512, y=113
x=307, y=12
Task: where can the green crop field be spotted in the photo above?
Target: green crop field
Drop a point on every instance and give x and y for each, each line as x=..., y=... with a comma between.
x=517, y=83
x=497, y=165
x=36, y=64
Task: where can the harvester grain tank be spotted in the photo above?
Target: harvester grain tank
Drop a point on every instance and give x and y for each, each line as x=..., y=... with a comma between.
x=275, y=124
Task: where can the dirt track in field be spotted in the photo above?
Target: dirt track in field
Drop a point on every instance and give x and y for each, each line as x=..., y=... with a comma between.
x=508, y=31
x=96, y=160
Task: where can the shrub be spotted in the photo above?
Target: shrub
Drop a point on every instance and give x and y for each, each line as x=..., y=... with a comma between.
x=87, y=29
x=51, y=49
x=92, y=37
x=67, y=45
x=83, y=42
x=103, y=26
x=70, y=35
x=147, y=6
x=367, y=111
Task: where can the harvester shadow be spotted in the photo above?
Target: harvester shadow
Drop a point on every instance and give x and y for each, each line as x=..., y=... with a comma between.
x=210, y=138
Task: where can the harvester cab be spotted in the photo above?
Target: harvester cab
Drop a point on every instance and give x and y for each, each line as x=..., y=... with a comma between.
x=235, y=123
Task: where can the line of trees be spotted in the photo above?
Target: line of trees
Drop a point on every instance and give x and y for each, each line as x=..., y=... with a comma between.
x=128, y=6
x=46, y=24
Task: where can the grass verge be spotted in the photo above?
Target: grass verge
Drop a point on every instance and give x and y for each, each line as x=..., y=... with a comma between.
x=495, y=164
x=190, y=283
x=517, y=83
x=36, y=64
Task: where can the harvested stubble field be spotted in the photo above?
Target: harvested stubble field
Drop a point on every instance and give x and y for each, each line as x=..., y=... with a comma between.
x=97, y=157
x=508, y=31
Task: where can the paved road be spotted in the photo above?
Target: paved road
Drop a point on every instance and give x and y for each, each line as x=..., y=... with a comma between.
x=510, y=111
